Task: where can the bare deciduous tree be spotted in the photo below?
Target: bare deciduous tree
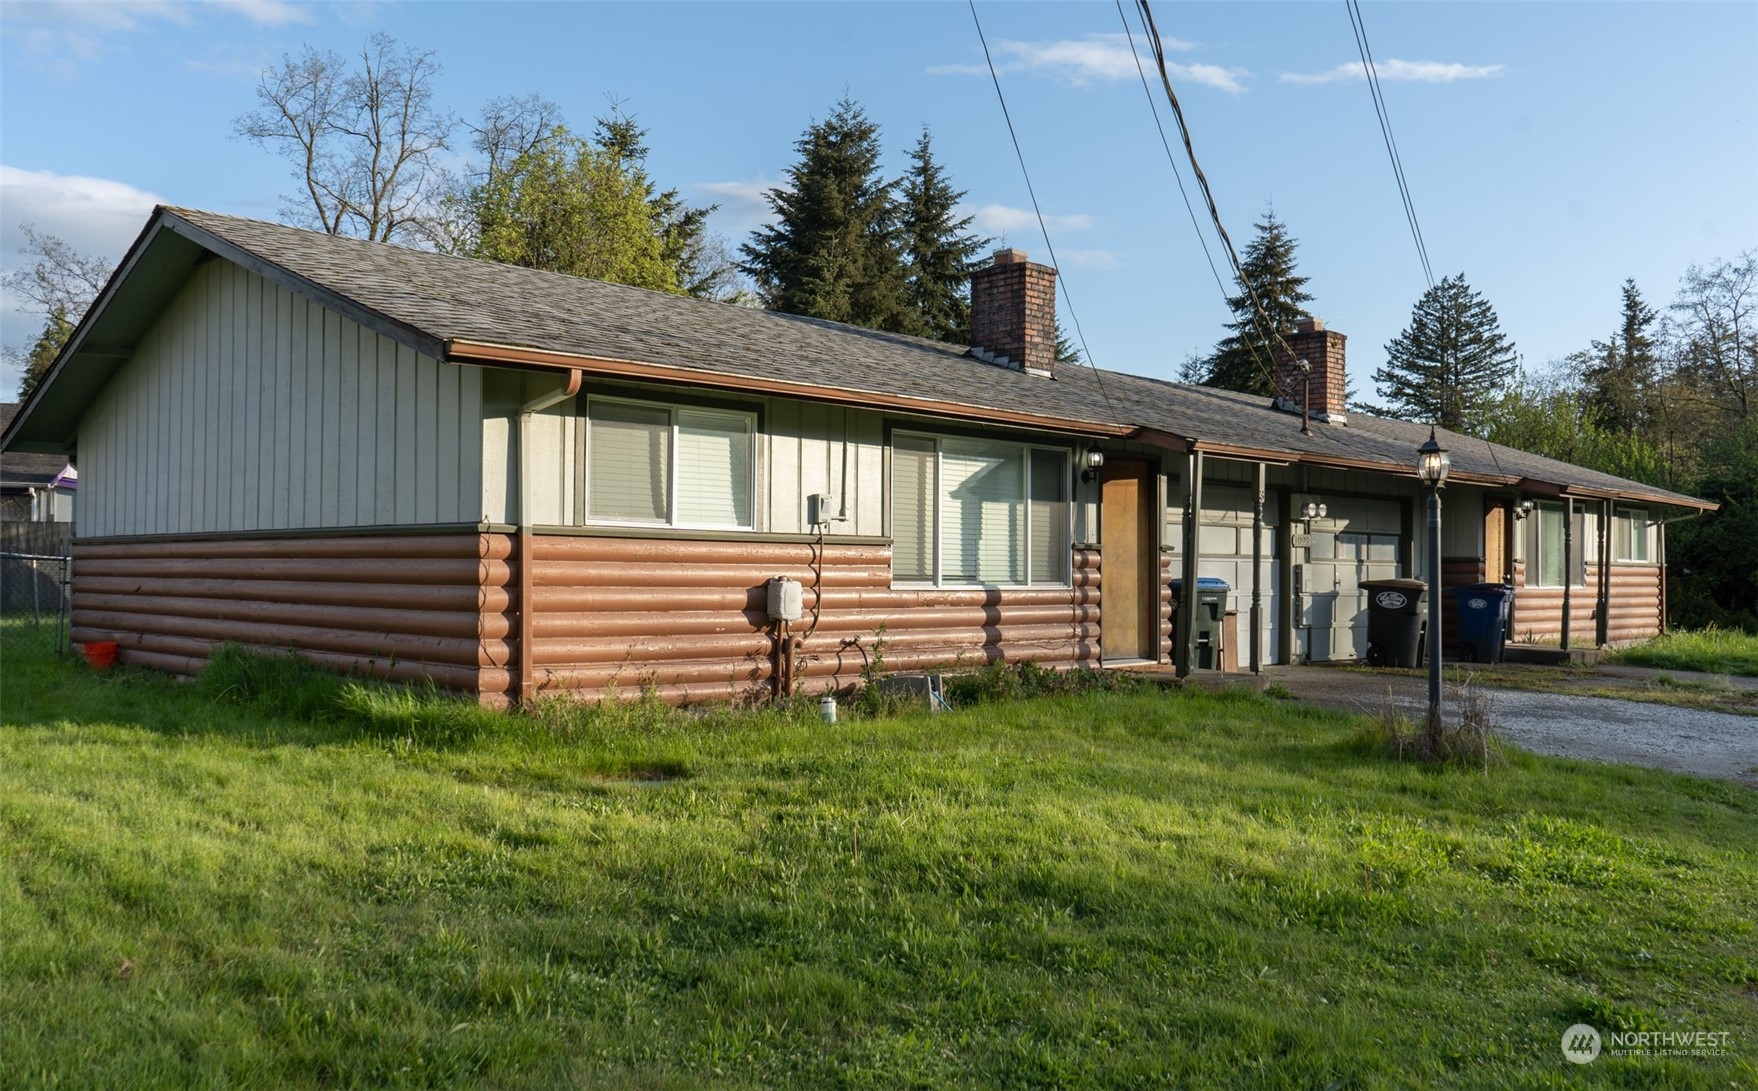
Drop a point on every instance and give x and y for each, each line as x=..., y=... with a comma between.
x=362, y=143
x=1717, y=330
x=61, y=280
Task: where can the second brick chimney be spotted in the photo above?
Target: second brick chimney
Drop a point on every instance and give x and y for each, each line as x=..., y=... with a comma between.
x=1013, y=314
x=1326, y=388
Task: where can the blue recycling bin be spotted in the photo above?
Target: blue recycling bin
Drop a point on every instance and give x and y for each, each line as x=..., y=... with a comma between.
x=1483, y=620
x=1211, y=612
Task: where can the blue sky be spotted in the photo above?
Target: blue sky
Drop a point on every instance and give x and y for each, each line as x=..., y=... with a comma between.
x=1551, y=149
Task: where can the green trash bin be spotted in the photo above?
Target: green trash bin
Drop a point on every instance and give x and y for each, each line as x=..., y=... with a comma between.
x=1395, y=621
x=1211, y=612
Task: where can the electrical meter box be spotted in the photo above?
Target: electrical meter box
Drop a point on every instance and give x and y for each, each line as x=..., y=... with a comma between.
x=785, y=599
x=820, y=509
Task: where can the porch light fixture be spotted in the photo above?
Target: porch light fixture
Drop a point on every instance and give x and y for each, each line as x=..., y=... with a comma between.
x=1524, y=508
x=1092, y=460
x=1314, y=511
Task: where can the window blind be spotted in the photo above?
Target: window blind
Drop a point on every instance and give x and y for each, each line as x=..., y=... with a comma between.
x=982, y=512
x=912, y=508
x=629, y=463
x=1552, y=564
x=714, y=469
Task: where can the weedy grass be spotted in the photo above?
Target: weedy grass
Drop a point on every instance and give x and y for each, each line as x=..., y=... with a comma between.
x=1712, y=651
x=274, y=877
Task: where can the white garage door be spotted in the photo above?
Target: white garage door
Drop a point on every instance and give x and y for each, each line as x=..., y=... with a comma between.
x=1358, y=541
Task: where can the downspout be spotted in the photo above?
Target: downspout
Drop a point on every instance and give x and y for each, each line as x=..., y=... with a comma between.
x=527, y=543
x=1257, y=564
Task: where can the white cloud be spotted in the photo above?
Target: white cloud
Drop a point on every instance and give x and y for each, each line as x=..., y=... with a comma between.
x=743, y=204
x=1101, y=57
x=59, y=33
x=993, y=219
x=1399, y=71
x=95, y=216
x=1092, y=259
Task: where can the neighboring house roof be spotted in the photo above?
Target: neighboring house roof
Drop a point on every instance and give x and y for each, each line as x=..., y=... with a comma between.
x=479, y=312
x=28, y=471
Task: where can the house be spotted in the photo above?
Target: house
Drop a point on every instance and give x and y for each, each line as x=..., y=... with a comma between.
x=516, y=482
x=34, y=488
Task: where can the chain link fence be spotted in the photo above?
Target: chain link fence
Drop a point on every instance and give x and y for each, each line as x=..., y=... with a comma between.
x=36, y=585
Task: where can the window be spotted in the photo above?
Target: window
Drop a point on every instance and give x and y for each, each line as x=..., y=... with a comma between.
x=1631, y=528
x=975, y=512
x=668, y=466
x=1549, y=563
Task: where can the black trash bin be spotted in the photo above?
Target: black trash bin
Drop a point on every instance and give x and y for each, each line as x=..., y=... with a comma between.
x=1483, y=620
x=1394, y=622
x=1211, y=612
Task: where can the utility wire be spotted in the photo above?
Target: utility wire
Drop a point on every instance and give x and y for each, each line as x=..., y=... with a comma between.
x=1172, y=160
x=1371, y=71
x=1159, y=50
x=1048, y=245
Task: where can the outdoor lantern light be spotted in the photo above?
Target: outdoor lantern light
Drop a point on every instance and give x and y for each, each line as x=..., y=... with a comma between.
x=1314, y=511
x=1523, y=509
x=1432, y=462
x=1093, y=459
x=1431, y=467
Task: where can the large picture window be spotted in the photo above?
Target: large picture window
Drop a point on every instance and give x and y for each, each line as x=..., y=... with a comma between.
x=968, y=512
x=668, y=466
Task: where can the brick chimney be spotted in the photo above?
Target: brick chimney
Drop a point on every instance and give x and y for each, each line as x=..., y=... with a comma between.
x=1326, y=388
x=1013, y=314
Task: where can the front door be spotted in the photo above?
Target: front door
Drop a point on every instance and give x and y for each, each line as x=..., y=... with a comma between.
x=1495, y=541
x=1129, y=625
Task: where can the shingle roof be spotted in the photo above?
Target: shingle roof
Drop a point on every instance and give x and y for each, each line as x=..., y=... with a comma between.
x=435, y=298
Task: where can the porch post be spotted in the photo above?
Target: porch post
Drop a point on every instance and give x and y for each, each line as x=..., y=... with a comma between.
x=1257, y=553
x=1568, y=562
x=1193, y=503
x=1602, y=631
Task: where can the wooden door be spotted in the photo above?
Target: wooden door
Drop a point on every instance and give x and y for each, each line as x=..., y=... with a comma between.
x=1129, y=623
x=1495, y=540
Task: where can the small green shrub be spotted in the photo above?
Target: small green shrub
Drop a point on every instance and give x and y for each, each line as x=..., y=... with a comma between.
x=999, y=681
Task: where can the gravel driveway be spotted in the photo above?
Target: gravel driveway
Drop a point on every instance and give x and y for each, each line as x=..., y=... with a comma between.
x=1685, y=740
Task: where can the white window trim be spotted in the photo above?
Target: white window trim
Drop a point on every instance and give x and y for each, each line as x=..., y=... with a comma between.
x=671, y=484
x=939, y=581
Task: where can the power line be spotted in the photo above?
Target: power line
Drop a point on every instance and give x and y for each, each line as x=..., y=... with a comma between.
x=1048, y=245
x=1172, y=160
x=1371, y=71
x=1271, y=334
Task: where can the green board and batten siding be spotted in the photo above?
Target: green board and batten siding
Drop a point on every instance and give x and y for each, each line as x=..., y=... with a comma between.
x=248, y=408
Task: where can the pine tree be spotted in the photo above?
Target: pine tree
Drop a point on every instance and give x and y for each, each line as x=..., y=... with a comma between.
x=1243, y=360
x=938, y=249
x=1618, y=374
x=834, y=251
x=55, y=333
x=1452, y=364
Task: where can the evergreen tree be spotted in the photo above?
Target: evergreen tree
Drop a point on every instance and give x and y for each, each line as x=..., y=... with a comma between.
x=1067, y=352
x=55, y=333
x=1243, y=360
x=834, y=251
x=1451, y=365
x=938, y=249
x=699, y=261
x=1618, y=374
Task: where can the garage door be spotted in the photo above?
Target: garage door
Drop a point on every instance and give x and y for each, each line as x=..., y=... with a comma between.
x=1358, y=541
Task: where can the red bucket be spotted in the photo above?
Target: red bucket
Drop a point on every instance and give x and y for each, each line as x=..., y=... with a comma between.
x=100, y=654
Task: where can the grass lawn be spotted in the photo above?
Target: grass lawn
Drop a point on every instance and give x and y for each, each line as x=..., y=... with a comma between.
x=361, y=888
x=1714, y=651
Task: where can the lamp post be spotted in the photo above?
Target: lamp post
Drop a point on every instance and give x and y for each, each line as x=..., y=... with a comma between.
x=1432, y=464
